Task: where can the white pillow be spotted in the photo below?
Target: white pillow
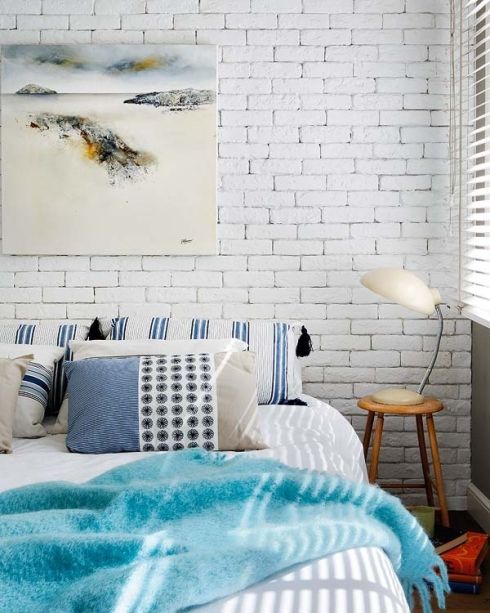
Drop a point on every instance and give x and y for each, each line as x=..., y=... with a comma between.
x=35, y=387
x=104, y=349
x=83, y=350
x=273, y=342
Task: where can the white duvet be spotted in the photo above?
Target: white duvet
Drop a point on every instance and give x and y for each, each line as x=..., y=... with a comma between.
x=315, y=436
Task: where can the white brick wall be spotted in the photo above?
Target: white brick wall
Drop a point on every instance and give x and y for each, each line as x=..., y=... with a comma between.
x=333, y=160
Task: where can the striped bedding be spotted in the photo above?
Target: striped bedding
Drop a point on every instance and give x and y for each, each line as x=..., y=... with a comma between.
x=314, y=436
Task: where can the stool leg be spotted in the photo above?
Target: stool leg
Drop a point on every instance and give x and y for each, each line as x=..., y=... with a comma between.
x=424, y=460
x=367, y=433
x=378, y=433
x=436, y=463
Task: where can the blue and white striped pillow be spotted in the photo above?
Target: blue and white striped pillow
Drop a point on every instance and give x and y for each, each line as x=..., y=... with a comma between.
x=59, y=334
x=36, y=383
x=274, y=344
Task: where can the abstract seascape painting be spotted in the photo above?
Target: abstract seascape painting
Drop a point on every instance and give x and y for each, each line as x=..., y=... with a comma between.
x=109, y=149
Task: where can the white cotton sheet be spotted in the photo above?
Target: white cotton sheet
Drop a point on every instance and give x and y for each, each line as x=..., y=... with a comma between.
x=316, y=436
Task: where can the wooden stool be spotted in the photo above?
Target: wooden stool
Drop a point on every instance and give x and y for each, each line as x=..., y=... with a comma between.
x=419, y=411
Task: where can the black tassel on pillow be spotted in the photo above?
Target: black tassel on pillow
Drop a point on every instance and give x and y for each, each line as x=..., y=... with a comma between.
x=95, y=333
x=304, y=346
x=296, y=402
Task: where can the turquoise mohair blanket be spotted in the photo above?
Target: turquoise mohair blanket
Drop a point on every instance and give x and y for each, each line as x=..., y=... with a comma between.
x=184, y=528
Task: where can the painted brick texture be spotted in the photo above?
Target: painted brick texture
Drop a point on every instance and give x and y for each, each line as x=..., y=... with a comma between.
x=333, y=160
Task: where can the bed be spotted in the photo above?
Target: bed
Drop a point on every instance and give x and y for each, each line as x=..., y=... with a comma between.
x=315, y=436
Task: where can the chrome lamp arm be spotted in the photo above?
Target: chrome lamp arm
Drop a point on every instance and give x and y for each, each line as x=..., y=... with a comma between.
x=436, y=350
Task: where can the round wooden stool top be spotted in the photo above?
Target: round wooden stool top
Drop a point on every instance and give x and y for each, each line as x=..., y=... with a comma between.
x=429, y=406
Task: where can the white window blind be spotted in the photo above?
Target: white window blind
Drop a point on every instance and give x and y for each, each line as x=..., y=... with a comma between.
x=470, y=151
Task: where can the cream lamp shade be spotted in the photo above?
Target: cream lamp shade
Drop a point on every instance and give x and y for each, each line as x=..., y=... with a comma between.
x=402, y=287
x=406, y=289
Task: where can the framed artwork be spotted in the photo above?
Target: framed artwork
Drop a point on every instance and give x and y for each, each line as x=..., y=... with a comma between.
x=108, y=149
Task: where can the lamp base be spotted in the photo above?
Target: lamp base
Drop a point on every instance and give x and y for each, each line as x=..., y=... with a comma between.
x=397, y=396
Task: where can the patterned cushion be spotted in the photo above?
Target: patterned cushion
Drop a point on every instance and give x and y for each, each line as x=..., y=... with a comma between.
x=274, y=343
x=59, y=333
x=163, y=403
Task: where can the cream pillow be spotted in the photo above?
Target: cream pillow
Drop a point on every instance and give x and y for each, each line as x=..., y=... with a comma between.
x=274, y=343
x=83, y=350
x=35, y=388
x=236, y=387
x=11, y=374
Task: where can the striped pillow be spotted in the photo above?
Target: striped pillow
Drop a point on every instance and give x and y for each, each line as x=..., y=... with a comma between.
x=58, y=334
x=274, y=343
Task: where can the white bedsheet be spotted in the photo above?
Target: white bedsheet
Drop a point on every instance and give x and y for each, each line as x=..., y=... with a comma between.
x=316, y=436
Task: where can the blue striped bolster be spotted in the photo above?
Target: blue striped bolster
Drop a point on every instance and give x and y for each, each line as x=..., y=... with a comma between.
x=240, y=331
x=66, y=333
x=199, y=328
x=118, y=331
x=25, y=334
x=279, y=376
x=158, y=328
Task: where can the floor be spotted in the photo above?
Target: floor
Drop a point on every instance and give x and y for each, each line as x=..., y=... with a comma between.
x=468, y=603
